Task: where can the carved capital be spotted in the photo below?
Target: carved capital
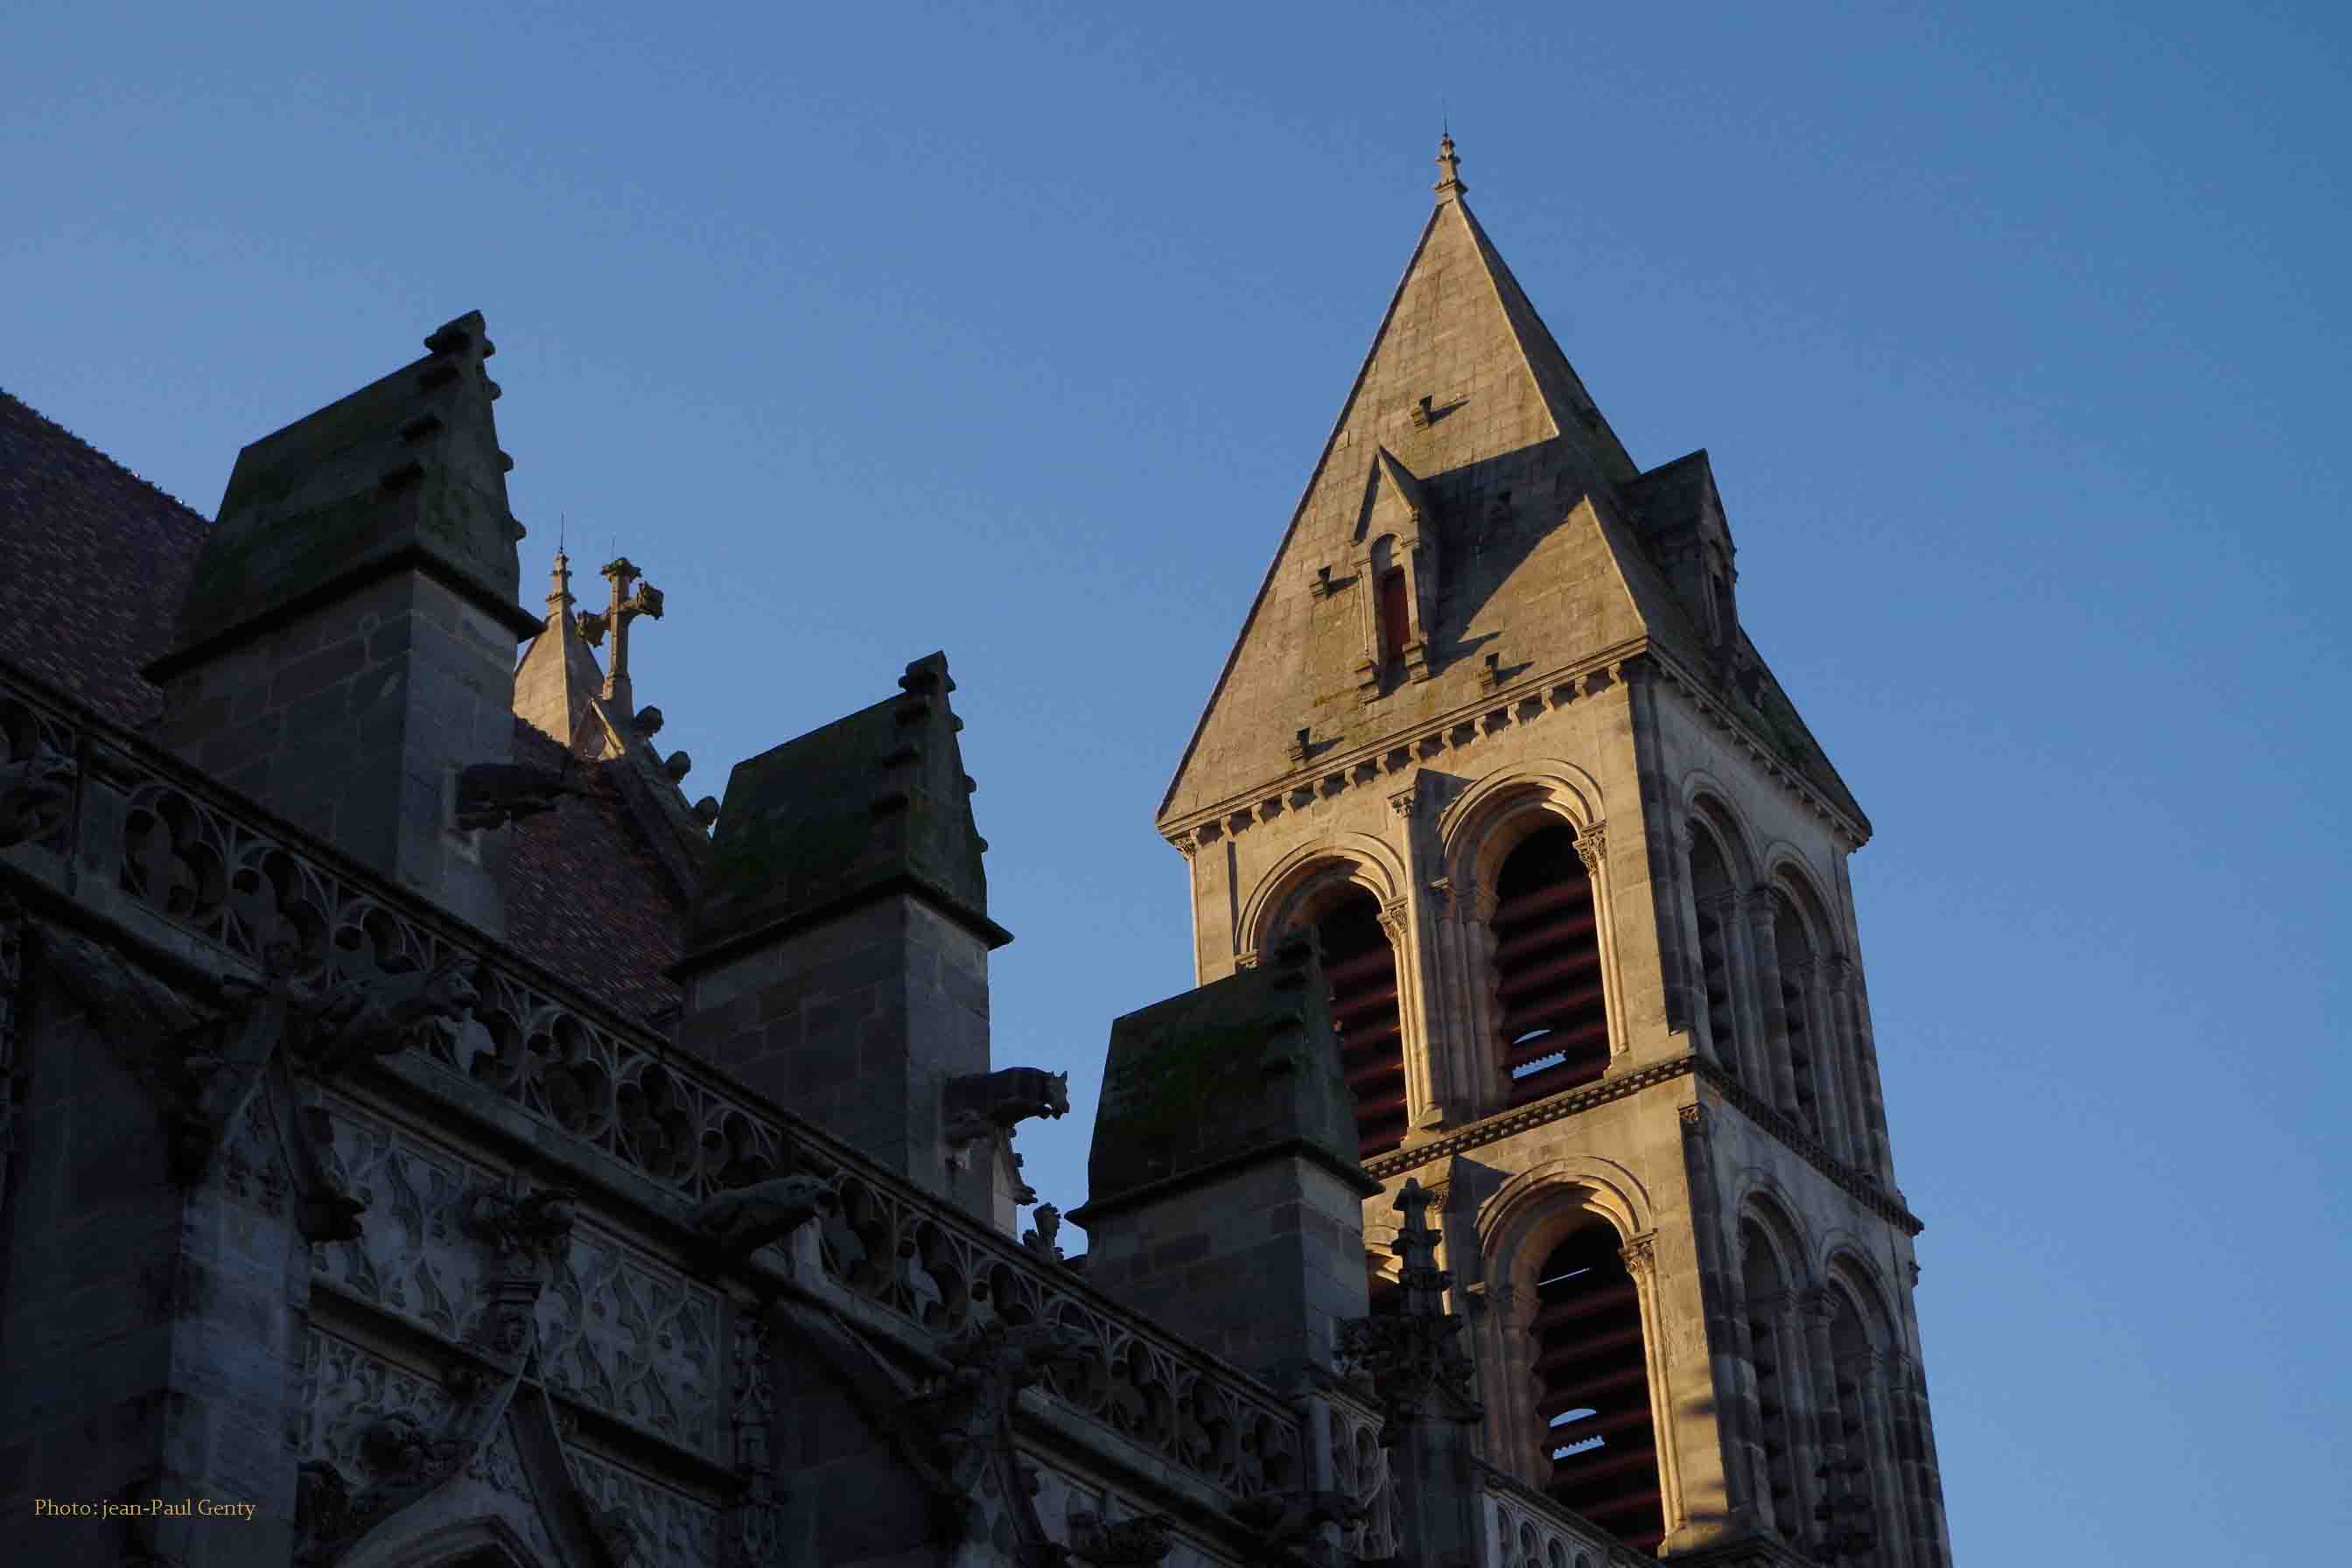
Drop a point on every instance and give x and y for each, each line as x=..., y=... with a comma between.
x=1592, y=847
x=1441, y=895
x=1816, y=1304
x=1395, y=921
x=1403, y=801
x=1694, y=1119
x=1247, y=959
x=1641, y=1256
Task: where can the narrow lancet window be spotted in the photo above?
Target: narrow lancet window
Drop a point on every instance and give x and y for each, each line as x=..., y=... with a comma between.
x=1554, y=1033
x=1396, y=623
x=1593, y=1388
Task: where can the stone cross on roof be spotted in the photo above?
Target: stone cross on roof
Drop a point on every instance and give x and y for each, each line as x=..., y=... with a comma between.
x=1423, y=1281
x=625, y=608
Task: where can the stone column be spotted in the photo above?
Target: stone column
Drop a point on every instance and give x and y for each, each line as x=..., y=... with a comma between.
x=1451, y=1050
x=1816, y=1310
x=1749, y=1422
x=1745, y=1048
x=1856, y=1010
x=1735, y=1419
x=1779, y=1084
x=1867, y=1370
x=1641, y=1256
x=1829, y=1122
x=1865, y=1149
x=1481, y=1055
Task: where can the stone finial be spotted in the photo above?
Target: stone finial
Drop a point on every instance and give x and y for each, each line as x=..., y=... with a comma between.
x=559, y=591
x=1424, y=1282
x=1449, y=170
x=624, y=607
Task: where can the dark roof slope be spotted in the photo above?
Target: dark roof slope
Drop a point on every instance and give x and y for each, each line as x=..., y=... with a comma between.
x=99, y=559
x=586, y=898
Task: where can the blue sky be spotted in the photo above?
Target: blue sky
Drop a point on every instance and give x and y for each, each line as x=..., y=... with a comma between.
x=2016, y=335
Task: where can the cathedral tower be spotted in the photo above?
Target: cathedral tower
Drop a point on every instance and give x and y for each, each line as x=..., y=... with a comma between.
x=1579, y=870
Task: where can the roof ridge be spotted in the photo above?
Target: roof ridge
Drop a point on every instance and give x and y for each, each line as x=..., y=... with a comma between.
x=107, y=458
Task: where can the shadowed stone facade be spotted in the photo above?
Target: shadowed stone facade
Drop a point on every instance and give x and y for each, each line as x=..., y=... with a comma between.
x=431, y=1140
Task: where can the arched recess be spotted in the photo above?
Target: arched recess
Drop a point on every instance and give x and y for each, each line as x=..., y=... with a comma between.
x=1775, y=1393
x=1349, y=903
x=1726, y=975
x=1869, y=1509
x=1526, y=849
x=1804, y=952
x=1579, y=1353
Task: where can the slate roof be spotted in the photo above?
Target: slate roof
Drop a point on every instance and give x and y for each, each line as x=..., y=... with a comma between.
x=93, y=551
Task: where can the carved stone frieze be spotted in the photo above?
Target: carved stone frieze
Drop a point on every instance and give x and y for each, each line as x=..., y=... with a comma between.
x=664, y=1528
x=635, y=1339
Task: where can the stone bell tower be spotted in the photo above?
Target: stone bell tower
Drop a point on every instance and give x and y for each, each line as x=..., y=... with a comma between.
x=1578, y=870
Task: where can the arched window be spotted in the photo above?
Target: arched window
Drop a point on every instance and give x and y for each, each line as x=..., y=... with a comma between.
x=1554, y=1030
x=1866, y=1497
x=1713, y=892
x=1794, y=949
x=1779, y=1381
x=1593, y=1388
x=1361, y=967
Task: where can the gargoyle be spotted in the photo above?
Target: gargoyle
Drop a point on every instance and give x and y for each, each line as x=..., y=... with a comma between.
x=1040, y=1240
x=491, y=794
x=1137, y=1543
x=1286, y=1521
x=35, y=793
x=978, y=1104
x=380, y=1016
x=742, y=1220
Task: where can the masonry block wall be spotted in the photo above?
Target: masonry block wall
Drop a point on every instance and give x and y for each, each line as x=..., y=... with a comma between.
x=355, y=721
x=150, y=1334
x=857, y=1022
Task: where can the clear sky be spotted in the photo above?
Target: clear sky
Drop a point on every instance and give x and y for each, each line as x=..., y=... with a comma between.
x=2017, y=333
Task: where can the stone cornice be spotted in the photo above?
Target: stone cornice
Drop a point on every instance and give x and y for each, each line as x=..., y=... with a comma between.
x=1576, y=1101
x=1763, y=751
x=1402, y=754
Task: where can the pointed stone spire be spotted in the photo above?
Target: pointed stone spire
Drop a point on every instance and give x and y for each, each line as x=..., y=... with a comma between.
x=1449, y=171
x=558, y=682
x=559, y=593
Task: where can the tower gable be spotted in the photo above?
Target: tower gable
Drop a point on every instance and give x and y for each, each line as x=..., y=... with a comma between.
x=1466, y=425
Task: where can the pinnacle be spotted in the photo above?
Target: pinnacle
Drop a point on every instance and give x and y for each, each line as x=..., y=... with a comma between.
x=1449, y=169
